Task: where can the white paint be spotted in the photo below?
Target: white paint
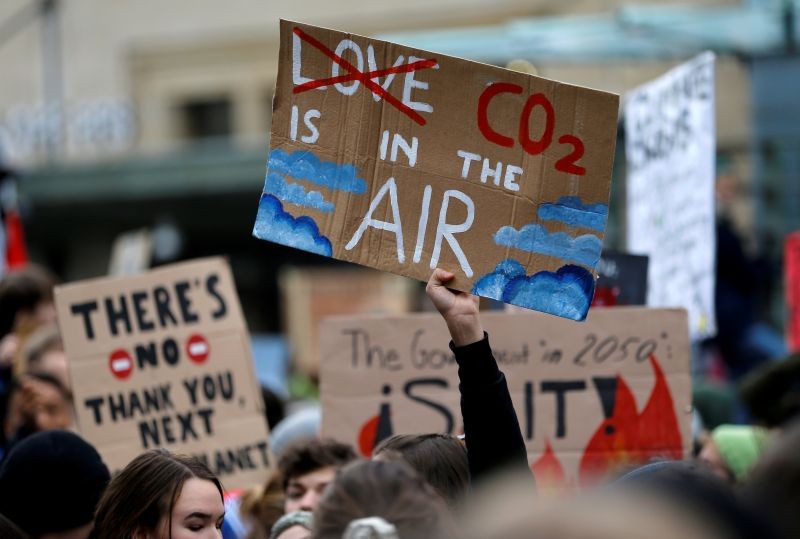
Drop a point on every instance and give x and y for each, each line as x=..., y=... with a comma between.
x=423, y=223
x=293, y=123
x=410, y=84
x=313, y=131
x=509, y=181
x=410, y=150
x=311, y=114
x=373, y=66
x=447, y=231
x=198, y=348
x=468, y=157
x=384, y=145
x=395, y=227
x=340, y=48
x=297, y=78
x=118, y=365
x=488, y=172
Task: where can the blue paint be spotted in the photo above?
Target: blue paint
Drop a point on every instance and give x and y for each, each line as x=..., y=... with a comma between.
x=572, y=211
x=304, y=165
x=566, y=293
x=535, y=238
x=274, y=224
x=294, y=193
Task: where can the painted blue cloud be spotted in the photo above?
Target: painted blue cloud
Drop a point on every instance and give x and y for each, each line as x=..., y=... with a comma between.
x=493, y=284
x=304, y=165
x=566, y=293
x=572, y=211
x=294, y=193
x=535, y=238
x=274, y=224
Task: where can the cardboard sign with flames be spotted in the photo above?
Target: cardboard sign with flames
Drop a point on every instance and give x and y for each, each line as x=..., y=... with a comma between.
x=591, y=398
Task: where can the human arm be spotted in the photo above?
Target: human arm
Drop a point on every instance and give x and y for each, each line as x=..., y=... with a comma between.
x=492, y=434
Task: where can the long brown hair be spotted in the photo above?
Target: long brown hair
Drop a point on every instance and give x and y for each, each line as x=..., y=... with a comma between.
x=146, y=491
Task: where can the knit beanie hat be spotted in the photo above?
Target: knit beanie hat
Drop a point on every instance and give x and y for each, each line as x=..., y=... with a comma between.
x=740, y=446
x=296, y=518
x=51, y=482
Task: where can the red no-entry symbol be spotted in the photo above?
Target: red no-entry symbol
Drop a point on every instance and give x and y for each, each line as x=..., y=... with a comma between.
x=120, y=363
x=197, y=348
x=364, y=78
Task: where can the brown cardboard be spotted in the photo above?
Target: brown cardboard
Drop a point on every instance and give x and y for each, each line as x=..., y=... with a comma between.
x=310, y=294
x=409, y=145
x=224, y=424
x=402, y=366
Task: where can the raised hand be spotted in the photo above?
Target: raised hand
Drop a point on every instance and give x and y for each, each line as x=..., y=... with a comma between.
x=459, y=309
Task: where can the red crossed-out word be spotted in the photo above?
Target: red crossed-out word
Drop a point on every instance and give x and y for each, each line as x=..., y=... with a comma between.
x=364, y=78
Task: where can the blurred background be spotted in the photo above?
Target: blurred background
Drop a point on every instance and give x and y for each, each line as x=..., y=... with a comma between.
x=136, y=132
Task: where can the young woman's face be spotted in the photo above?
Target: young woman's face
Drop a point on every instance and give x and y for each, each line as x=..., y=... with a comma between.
x=198, y=512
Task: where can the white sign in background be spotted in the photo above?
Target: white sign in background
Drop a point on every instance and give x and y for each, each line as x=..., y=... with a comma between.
x=671, y=151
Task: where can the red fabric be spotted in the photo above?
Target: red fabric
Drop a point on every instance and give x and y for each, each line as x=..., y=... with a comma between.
x=792, y=275
x=16, y=251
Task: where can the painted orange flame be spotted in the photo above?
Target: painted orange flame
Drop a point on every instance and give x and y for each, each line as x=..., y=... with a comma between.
x=626, y=437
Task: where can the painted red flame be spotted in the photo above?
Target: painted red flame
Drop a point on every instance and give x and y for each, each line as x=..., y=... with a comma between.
x=367, y=435
x=627, y=437
x=548, y=470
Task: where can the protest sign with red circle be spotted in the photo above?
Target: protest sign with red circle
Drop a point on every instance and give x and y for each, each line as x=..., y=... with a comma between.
x=197, y=348
x=121, y=364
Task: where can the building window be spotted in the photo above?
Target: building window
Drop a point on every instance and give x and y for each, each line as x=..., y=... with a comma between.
x=207, y=118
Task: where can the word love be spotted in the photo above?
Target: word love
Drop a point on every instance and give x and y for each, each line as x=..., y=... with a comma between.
x=568, y=163
x=356, y=75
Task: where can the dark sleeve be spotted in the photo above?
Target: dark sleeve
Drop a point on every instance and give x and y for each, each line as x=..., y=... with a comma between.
x=491, y=429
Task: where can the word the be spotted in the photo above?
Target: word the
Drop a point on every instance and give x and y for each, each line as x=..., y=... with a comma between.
x=489, y=171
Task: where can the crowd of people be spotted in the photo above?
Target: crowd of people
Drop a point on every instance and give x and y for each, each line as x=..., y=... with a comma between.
x=744, y=481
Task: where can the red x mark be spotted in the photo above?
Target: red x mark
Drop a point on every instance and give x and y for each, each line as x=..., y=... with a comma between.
x=364, y=78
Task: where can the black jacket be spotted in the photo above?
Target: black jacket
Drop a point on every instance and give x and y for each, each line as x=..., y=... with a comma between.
x=491, y=429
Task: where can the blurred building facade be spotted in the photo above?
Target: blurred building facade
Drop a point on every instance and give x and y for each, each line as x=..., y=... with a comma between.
x=129, y=114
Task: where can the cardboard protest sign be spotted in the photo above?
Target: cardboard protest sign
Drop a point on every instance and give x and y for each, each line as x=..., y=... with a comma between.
x=162, y=359
x=311, y=294
x=621, y=279
x=791, y=262
x=589, y=397
x=671, y=150
x=404, y=160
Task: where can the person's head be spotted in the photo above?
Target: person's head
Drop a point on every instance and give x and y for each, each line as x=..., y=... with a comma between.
x=732, y=450
x=381, y=499
x=37, y=403
x=43, y=353
x=773, y=486
x=50, y=484
x=159, y=495
x=307, y=468
x=26, y=296
x=296, y=525
x=441, y=459
x=693, y=487
x=51, y=402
